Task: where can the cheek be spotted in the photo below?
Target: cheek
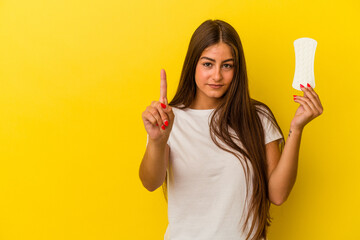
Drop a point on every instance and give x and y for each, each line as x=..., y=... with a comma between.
x=201, y=74
x=229, y=76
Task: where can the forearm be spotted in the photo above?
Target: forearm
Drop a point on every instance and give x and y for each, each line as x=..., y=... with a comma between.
x=283, y=177
x=152, y=170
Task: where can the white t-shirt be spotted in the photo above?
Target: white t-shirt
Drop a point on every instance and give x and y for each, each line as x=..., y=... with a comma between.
x=206, y=185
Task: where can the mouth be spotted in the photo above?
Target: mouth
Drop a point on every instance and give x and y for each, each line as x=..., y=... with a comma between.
x=215, y=85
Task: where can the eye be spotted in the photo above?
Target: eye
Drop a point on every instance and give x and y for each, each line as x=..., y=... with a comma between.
x=205, y=64
x=228, y=65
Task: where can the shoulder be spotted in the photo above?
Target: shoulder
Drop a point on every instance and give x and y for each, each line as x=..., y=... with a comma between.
x=262, y=107
x=264, y=112
x=271, y=128
x=177, y=109
x=267, y=118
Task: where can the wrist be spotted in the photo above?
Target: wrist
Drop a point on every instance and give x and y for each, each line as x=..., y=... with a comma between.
x=296, y=130
x=158, y=142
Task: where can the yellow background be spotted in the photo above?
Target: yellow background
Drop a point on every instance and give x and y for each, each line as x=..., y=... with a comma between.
x=75, y=77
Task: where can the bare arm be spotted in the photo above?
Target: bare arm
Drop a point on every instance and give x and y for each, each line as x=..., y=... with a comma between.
x=283, y=176
x=153, y=167
x=158, y=120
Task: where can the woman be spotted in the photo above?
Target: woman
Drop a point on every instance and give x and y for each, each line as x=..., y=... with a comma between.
x=214, y=149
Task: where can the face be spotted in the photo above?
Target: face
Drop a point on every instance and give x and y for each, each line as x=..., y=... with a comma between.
x=213, y=75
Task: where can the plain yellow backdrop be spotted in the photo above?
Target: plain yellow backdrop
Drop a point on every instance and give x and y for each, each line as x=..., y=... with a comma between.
x=75, y=77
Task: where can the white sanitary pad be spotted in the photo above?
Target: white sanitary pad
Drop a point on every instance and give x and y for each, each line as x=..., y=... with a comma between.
x=304, y=59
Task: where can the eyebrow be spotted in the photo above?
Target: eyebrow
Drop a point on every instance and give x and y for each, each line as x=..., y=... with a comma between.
x=210, y=59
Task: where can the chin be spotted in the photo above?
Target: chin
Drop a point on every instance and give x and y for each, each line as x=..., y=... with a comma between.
x=219, y=95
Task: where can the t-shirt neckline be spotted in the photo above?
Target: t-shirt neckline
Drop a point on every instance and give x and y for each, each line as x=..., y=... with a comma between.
x=198, y=111
x=192, y=109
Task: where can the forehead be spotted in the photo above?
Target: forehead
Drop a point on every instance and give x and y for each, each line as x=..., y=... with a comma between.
x=219, y=49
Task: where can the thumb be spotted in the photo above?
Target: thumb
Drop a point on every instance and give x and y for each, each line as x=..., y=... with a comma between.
x=170, y=112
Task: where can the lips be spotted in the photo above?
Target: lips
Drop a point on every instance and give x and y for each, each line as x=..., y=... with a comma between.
x=215, y=86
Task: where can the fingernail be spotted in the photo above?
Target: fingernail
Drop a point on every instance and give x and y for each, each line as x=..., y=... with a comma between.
x=309, y=85
x=163, y=105
x=301, y=85
x=157, y=124
x=295, y=96
x=163, y=127
x=166, y=123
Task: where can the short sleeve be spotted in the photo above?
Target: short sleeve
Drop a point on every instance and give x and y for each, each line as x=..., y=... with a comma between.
x=270, y=130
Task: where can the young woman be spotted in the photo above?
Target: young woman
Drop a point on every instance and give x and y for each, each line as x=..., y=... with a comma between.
x=214, y=149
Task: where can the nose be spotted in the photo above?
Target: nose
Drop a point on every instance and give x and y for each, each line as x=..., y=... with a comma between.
x=217, y=76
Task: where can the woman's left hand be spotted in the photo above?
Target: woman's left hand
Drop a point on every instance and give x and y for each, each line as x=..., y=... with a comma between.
x=309, y=109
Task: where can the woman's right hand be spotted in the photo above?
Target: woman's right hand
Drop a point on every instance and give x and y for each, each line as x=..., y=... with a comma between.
x=158, y=121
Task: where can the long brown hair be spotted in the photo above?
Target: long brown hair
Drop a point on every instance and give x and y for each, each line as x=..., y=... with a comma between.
x=236, y=111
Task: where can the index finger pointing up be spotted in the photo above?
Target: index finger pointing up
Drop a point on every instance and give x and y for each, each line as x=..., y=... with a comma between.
x=163, y=87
